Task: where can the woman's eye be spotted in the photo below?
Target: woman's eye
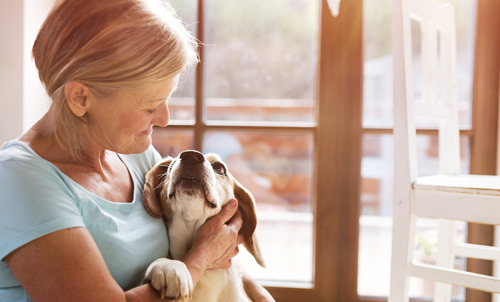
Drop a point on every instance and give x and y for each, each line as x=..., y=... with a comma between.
x=219, y=168
x=157, y=105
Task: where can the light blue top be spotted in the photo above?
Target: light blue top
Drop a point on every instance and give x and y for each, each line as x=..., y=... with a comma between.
x=36, y=198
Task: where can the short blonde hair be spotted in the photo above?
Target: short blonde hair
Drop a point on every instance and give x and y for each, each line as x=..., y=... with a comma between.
x=108, y=45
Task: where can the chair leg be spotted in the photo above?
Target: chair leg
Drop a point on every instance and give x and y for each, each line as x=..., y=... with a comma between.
x=442, y=292
x=403, y=230
x=445, y=258
x=496, y=263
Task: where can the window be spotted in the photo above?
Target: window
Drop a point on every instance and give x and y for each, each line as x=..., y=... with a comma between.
x=254, y=100
x=256, y=109
x=279, y=95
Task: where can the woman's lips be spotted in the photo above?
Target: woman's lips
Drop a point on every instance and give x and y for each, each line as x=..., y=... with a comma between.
x=147, y=132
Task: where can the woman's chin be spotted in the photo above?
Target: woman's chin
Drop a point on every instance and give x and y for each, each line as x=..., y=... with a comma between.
x=143, y=146
x=138, y=146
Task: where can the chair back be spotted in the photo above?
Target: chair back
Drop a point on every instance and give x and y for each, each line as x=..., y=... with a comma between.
x=424, y=49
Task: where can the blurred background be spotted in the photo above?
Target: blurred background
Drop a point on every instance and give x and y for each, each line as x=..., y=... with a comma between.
x=253, y=99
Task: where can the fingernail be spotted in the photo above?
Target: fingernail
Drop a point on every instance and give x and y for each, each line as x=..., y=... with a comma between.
x=233, y=202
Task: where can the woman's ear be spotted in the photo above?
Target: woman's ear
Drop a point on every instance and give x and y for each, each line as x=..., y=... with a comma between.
x=77, y=97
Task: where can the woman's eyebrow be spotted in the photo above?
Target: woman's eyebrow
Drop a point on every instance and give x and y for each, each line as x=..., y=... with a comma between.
x=163, y=98
x=157, y=100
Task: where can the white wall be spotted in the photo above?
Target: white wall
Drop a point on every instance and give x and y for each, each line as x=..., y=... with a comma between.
x=11, y=69
x=36, y=100
x=22, y=98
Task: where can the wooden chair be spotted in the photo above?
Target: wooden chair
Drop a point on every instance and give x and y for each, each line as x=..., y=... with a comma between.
x=448, y=196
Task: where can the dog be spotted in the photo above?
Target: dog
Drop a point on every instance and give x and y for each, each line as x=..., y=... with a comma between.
x=185, y=191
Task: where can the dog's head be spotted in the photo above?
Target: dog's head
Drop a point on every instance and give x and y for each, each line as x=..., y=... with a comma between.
x=196, y=186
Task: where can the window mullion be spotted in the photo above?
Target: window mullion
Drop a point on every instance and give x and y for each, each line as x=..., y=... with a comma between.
x=338, y=154
x=199, y=125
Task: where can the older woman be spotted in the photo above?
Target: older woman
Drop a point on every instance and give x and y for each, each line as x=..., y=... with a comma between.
x=72, y=223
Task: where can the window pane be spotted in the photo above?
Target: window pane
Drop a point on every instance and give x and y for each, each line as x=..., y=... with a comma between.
x=277, y=168
x=376, y=214
x=377, y=103
x=261, y=58
x=181, y=103
x=172, y=142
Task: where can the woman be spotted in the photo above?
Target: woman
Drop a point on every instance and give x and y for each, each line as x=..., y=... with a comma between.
x=72, y=223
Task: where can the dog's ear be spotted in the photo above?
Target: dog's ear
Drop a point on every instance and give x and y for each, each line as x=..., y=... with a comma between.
x=246, y=205
x=152, y=187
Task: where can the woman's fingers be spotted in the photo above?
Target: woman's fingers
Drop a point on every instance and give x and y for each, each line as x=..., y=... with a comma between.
x=227, y=211
x=236, y=222
x=220, y=236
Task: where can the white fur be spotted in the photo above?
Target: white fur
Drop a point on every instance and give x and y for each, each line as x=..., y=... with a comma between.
x=171, y=278
x=189, y=209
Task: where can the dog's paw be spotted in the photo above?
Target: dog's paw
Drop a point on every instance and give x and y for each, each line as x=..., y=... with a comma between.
x=171, y=278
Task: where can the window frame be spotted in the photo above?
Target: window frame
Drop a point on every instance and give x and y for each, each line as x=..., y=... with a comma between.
x=339, y=123
x=336, y=214
x=485, y=122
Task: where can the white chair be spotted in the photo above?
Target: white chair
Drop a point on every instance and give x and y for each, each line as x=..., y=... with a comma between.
x=448, y=196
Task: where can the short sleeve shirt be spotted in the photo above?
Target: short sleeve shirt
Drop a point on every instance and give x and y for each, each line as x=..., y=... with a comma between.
x=36, y=198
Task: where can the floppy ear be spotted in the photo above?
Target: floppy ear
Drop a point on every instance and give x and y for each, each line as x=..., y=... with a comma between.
x=246, y=205
x=152, y=187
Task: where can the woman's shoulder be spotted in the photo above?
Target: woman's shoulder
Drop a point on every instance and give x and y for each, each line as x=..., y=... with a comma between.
x=20, y=152
x=19, y=164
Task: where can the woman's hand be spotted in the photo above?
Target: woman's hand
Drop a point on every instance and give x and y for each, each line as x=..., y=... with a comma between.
x=216, y=242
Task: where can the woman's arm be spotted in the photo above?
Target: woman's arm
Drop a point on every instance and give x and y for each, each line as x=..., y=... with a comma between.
x=66, y=265
x=216, y=242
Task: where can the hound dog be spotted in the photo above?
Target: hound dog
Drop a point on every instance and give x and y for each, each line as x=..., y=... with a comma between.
x=185, y=191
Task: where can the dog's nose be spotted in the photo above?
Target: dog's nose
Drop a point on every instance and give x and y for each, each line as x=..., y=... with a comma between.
x=193, y=156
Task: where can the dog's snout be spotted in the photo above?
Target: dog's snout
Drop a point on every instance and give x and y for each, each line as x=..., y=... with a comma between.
x=193, y=156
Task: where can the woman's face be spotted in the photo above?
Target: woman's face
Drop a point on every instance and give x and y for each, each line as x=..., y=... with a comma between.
x=123, y=122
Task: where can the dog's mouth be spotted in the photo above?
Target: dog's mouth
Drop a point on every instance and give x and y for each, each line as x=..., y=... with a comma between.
x=193, y=188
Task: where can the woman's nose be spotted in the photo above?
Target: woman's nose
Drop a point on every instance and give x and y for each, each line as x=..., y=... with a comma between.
x=162, y=116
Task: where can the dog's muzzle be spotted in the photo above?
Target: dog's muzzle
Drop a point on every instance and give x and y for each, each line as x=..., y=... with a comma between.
x=192, y=176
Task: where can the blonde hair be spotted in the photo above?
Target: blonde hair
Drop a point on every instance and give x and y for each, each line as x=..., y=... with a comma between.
x=107, y=45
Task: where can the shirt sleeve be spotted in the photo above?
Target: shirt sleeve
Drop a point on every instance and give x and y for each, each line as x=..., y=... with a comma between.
x=34, y=201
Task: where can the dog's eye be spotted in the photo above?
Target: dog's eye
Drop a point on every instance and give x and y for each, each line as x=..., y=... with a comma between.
x=219, y=168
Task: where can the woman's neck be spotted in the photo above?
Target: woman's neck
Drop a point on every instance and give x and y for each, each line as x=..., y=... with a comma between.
x=42, y=139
